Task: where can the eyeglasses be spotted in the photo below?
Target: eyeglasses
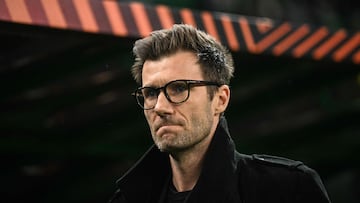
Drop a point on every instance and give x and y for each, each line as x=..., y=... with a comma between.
x=176, y=92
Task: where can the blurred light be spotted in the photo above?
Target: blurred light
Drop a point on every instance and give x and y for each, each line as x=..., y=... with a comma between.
x=103, y=77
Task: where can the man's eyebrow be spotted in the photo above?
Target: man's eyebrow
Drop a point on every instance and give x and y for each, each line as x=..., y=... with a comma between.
x=150, y=85
x=155, y=86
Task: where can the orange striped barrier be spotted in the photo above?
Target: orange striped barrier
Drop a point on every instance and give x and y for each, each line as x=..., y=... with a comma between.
x=239, y=33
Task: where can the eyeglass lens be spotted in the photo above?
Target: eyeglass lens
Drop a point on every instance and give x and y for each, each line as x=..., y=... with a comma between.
x=175, y=92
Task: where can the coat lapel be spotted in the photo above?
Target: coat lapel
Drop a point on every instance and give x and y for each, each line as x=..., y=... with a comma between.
x=218, y=179
x=145, y=181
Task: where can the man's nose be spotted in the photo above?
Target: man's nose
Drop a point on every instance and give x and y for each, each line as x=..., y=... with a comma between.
x=162, y=105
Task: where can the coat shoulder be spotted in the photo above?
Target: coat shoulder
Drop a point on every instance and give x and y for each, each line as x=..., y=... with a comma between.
x=278, y=175
x=269, y=161
x=277, y=161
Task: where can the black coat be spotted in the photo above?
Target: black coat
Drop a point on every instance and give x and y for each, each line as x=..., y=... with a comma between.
x=227, y=176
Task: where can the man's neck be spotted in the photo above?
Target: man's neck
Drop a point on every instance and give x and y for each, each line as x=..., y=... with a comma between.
x=186, y=166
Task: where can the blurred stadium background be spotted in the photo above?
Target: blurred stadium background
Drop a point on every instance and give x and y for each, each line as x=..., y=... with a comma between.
x=69, y=127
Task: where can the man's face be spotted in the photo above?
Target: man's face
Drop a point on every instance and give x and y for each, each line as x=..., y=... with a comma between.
x=177, y=127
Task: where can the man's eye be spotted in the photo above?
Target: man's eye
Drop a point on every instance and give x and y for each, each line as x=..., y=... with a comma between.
x=149, y=93
x=177, y=88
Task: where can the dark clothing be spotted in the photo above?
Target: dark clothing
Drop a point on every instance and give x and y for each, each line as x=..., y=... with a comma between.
x=173, y=196
x=227, y=176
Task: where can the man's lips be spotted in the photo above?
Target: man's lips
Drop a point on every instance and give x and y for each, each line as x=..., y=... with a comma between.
x=166, y=130
x=165, y=127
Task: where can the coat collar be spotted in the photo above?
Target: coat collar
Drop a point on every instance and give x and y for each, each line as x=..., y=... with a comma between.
x=145, y=181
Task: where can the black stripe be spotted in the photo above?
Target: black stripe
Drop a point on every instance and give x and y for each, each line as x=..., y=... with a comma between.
x=153, y=17
x=129, y=20
x=70, y=15
x=100, y=16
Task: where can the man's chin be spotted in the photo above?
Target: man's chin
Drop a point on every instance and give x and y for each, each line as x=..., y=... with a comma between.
x=170, y=149
x=165, y=147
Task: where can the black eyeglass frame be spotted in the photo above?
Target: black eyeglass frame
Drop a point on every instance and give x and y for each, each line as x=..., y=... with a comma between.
x=189, y=83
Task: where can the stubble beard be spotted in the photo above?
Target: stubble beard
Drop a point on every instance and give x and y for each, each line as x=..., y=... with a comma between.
x=200, y=129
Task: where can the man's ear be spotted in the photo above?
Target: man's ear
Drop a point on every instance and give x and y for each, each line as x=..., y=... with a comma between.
x=222, y=99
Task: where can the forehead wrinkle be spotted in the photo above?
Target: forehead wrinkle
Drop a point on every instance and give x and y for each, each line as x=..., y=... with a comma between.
x=181, y=65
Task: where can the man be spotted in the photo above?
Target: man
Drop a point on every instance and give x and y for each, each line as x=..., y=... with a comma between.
x=184, y=75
